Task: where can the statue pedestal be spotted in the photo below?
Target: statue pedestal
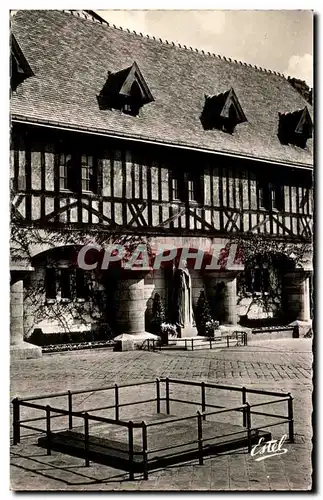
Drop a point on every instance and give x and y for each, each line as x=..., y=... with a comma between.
x=188, y=331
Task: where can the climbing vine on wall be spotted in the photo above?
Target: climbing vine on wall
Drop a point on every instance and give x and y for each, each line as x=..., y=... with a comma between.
x=64, y=243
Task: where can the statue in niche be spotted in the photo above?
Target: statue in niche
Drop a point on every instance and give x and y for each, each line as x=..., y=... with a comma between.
x=182, y=301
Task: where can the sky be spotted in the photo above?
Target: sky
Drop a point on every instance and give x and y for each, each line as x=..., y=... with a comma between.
x=280, y=40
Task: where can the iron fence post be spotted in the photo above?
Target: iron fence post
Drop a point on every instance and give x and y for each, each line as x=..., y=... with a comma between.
x=228, y=342
x=70, y=410
x=167, y=396
x=144, y=449
x=244, y=400
x=210, y=343
x=290, y=419
x=130, y=443
x=48, y=431
x=158, y=394
x=248, y=418
x=16, y=420
x=200, y=437
x=116, y=401
x=86, y=439
x=203, y=398
x=192, y=344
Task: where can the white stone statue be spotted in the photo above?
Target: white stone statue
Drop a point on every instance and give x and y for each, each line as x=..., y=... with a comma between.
x=182, y=300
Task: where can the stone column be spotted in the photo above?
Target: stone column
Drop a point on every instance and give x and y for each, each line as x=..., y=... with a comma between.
x=230, y=300
x=17, y=312
x=130, y=305
x=297, y=294
x=304, y=299
x=19, y=349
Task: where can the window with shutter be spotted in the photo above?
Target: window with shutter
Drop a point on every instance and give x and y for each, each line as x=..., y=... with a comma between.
x=175, y=189
x=65, y=171
x=271, y=196
x=78, y=173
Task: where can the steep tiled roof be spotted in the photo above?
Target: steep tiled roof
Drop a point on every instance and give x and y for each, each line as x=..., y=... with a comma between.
x=71, y=57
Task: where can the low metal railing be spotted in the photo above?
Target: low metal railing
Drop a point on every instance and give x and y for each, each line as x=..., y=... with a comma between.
x=240, y=337
x=245, y=408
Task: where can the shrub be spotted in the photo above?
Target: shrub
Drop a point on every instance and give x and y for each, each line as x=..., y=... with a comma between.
x=158, y=314
x=204, y=322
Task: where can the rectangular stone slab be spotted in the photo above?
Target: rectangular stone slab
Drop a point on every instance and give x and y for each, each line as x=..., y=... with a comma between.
x=168, y=443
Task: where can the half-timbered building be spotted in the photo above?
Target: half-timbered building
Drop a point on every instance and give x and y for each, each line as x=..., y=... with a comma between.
x=119, y=135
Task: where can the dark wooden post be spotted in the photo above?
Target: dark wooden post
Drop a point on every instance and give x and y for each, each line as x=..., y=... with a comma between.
x=203, y=398
x=248, y=418
x=158, y=394
x=167, y=397
x=70, y=410
x=244, y=400
x=16, y=420
x=86, y=439
x=144, y=449
x=290, y=419
x=130, y=444
x=48, y=431
x=200, y=437
x=116, y=401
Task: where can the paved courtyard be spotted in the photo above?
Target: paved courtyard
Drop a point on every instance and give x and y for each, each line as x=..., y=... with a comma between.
x=278, y=365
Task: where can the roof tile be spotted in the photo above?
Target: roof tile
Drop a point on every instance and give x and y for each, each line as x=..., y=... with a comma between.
x=71, y=56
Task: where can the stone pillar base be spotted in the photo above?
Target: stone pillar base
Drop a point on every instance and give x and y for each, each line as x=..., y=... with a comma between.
x=24, y=350
x=188, y=331
x=126, y=342
x=303, y=327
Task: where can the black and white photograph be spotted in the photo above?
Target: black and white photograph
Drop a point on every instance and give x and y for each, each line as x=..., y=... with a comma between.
x=161, y=189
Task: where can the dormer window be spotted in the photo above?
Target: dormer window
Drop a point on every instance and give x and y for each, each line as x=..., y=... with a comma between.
x=295, y=128
x=20, y=69
x=222, y=112
x=125, y=90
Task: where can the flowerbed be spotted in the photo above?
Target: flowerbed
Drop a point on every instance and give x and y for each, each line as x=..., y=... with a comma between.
x=77, y=346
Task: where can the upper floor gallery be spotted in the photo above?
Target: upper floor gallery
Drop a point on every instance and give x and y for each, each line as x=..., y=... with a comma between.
x=60, y=177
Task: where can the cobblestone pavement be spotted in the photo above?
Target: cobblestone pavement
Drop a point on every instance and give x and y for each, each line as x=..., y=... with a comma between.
x=277, y=365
